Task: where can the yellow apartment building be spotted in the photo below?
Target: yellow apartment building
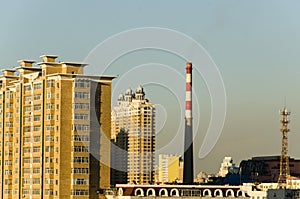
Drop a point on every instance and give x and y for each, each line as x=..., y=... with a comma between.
x=54, y=131
x=134, y=118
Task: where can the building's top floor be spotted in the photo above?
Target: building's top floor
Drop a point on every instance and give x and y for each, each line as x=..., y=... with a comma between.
x=47, y=68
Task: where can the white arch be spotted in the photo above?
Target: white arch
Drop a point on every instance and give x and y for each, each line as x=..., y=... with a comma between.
x=229, y=192
x=176, y=192
x=218, y=193
x=150, y=192
x=141, y=192
x=120, y=192
x=240, y=193
x=207, y=192
x=163, y=192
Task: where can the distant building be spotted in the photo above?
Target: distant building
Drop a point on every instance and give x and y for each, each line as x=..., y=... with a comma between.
x=134, y=116
x=53, y=123
x=283, y=194
x=201, y=177
x=170, y=168
x=266, y=168
x=119, y=158
x=227, y=166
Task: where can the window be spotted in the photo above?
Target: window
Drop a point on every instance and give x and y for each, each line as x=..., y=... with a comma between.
x=8, y=163
x=50, y=106
x=7, y=182
x=79, y=116
x=49, y=170
x=48, y=192
x=82, y=83
x=49, y=117
x=80, y=160
x=50, y=83
x=27, y=118
x=49, y=181
x=49, y=148
x=9, y=105
x=27, y=88
x=80, y=170
x=27, y=108
x=50, y=95
x=49, y=128
x=9, y=124
x=9, y=144
x=36, y=170
x=36, y=149
x=8, y=153
x=27, y=149
x=9, y=95
x=36, y=181
x=8, y=172
x=80, y=149
x=26, y=191
x=79, y=192
x=26, y=180
x=37, y=128
x=37, y=118
x=27, y=98
x=81, y=106
x=80, y=181
x=37, y=107
x=49, y=138
x=26, y=160
x=9, y=114
x=27, y=139
x=82, y=95
x=81, y=138
x=37, y=97
x=37, y=138
x=81, y=127
x=37, y=86
x=9, y=134
x=49, y=159
x=27, y=129
x=36, y=160
x=35, y=191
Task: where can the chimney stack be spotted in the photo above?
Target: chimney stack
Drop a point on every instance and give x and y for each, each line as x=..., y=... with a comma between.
x=188, y=166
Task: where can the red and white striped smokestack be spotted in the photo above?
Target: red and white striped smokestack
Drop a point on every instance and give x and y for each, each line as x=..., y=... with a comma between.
x=188, y=165
x=188, y=99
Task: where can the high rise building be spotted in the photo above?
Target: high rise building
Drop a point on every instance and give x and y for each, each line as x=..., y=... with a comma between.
x=134, y=117
x=170, y=168
x=53, y=125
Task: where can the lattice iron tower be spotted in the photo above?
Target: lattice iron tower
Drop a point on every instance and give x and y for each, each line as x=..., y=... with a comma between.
x=284, y=158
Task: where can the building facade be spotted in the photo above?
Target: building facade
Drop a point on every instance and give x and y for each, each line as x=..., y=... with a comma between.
x=55, y=130
x=135, y=115
x=170, y=168
x=266, y=168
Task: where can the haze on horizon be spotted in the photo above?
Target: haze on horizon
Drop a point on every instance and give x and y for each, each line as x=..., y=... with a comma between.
x=255, y=45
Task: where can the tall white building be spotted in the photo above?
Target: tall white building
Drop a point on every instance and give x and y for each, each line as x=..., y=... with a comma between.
x=135, y=116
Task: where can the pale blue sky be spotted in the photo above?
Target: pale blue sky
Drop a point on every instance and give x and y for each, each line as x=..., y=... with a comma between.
x=255, y=45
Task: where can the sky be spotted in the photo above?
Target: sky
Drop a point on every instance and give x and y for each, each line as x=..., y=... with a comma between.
x=254, y=45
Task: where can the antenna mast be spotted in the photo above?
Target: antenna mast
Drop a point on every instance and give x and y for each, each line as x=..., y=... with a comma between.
x=284, y=158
